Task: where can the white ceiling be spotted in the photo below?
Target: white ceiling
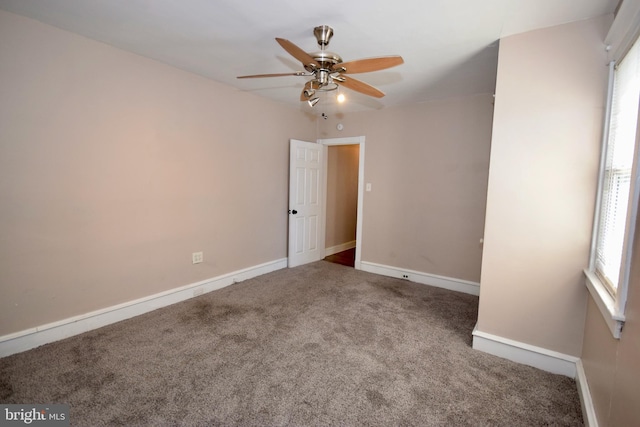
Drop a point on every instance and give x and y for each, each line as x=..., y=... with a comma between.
x=449, y=46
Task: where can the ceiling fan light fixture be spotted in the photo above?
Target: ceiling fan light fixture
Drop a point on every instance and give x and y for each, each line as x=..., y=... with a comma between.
x=309, y=92
x=341, y=98
x=313, y=101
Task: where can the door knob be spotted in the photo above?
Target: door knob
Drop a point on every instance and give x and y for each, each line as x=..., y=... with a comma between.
x=293, y=211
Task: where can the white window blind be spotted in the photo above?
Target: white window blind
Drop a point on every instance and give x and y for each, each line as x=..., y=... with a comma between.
x=618, y=168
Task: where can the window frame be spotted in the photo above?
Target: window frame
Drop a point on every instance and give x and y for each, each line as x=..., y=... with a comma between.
x=610, y=302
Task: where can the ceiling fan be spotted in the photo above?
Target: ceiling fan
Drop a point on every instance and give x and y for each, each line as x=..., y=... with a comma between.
x=328, y=70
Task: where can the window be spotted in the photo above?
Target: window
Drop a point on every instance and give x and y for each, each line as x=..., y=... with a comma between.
x=617, y=195
x=617, y=172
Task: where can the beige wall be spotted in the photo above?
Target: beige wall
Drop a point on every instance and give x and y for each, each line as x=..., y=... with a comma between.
x=342, y=194
x=115, y=168
x=427, y=164
x=544, y=155
x=613, y=366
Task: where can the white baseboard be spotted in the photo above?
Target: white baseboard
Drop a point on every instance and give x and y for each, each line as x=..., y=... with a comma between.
x=526, y=354
x=452, y=284
x=40, y=335
x=339, y=248
x=588, y=410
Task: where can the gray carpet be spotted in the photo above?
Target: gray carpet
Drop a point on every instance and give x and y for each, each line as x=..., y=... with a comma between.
x=321, y=344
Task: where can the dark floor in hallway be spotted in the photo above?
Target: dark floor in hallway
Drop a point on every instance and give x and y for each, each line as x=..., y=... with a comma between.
x=347, y=257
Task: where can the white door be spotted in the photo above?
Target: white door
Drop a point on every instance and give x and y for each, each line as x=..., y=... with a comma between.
x=306, y=228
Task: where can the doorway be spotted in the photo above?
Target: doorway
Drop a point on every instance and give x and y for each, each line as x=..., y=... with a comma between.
x=341, y=204
x=343, y=197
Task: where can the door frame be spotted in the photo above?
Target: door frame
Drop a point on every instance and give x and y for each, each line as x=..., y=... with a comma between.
x=350, y=140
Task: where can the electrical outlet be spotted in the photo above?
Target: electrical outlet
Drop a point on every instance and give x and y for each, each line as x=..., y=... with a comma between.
x=197, y=257
x=405, y=276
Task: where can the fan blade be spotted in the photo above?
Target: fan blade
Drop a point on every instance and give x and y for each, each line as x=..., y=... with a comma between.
x=370, y=64
x=359, y=86
x=307, y=61
x=311, y=84
x=297, y=73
